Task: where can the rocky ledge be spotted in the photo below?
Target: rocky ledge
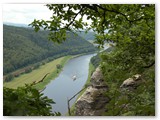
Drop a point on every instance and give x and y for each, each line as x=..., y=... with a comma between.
x=92, y=101
x=132, y=83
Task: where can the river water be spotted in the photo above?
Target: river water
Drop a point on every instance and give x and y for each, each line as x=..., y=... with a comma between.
x=64, y=87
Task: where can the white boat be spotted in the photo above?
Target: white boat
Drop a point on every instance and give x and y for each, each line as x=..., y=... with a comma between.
x=74, y=77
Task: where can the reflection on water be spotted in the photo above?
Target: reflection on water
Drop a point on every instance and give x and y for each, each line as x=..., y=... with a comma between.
x=64, y=86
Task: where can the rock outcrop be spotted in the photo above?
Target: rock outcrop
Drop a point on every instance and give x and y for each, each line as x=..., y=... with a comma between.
x=132, y=83
x=92, y=102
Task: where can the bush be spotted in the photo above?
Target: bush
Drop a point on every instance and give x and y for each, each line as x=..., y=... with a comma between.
x=58, y=66
x=28, y=70
x=26, y=101
x=37, y=66
x=43, y=63
x=9, y=78
x=17, y=75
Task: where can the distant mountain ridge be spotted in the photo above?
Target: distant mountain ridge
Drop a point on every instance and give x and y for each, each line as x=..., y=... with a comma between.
x=23, y=46
x=15, y=24
x=88, y=36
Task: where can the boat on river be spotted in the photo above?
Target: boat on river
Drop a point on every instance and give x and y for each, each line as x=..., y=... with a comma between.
x=74, y=77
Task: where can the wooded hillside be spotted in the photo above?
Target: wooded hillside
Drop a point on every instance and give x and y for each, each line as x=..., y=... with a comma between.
x=88, y=36
x=23, y=46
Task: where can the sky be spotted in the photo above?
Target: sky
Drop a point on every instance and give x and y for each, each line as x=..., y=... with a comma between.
x=25, y=13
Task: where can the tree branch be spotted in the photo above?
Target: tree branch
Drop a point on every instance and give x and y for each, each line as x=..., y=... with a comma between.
x=105, y=9
x=91, y=7
x=67, y=26
x=150, y=65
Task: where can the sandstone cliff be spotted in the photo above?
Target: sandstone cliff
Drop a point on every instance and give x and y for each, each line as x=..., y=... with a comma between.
x=92, y=102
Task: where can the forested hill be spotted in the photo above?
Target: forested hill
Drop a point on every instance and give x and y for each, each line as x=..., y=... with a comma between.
x=23, y=46
x=88, y=36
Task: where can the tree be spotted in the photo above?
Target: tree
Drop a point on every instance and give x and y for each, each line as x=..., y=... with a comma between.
x=58, y=66
x=28, y=70
x=131, y=27
x=36, y=66
x=9, y=77
x=26, y=101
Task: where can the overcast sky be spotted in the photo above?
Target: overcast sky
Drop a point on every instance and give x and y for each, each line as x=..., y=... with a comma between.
x=25, y=13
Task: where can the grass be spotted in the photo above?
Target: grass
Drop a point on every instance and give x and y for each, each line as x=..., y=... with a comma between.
x=38, y=74
x=91, y=69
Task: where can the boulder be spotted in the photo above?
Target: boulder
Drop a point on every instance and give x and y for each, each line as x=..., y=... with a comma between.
x=91, y=103
x=97, y=78
x=132, y=83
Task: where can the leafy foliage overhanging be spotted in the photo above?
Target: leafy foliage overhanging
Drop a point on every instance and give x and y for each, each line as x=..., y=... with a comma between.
x=130, y=27
x=26, y=101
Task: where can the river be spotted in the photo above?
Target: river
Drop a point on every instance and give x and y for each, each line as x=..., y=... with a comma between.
x=64, y=86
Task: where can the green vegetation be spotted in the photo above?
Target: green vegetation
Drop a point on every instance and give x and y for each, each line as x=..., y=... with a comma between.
x=139, y=102
x=88, y=36
x=9, y=78
x=23, y=47
x=96, y=60
x=26, y=101
x=59, y=67
x=38, y=74
x=91, y=70
x=53, y=74
x=28, y=70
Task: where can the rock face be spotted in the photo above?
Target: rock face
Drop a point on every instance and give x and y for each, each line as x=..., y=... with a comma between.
x=132, y=83
x=97, y=78
x=92, y=102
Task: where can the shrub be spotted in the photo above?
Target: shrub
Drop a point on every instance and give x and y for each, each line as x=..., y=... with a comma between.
x=9, y=78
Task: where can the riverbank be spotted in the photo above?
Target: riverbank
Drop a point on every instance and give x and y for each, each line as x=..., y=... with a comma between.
x=53, y=74
x=38, y=74
x=91, y=70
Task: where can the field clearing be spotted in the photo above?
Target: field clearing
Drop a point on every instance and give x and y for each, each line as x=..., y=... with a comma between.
x=38, y=74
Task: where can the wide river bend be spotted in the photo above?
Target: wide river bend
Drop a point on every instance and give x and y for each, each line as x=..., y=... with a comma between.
x=64, y=86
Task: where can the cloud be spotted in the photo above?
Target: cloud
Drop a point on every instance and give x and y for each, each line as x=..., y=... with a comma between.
x=25, y=13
